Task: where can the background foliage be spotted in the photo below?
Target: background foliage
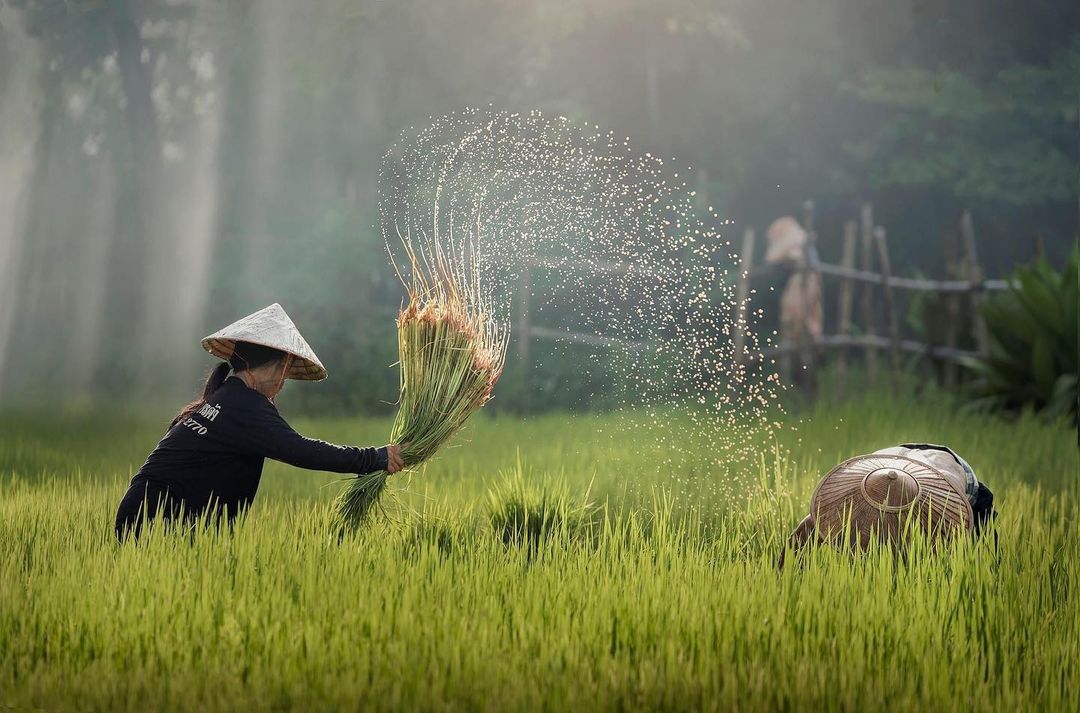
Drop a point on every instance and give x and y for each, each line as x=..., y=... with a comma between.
x=1034, y=349
x=184, y=162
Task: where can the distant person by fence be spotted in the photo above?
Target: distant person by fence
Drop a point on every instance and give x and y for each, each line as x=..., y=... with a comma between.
x=802, y=316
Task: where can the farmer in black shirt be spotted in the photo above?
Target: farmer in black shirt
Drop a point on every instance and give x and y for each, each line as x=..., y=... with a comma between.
x=211, y=457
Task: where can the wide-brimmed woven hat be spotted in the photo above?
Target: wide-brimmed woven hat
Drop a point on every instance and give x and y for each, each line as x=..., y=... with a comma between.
x=878, y=495
x=269, y=327
x=785, y=240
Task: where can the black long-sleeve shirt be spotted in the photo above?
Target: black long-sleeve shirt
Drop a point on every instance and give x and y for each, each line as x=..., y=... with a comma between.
x=216, y=455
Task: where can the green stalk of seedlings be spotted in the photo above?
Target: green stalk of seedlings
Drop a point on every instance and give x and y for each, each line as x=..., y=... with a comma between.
x=451, y=353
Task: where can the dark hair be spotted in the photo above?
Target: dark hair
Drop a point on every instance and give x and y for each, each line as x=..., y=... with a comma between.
x=245, y=356
x=251, y=356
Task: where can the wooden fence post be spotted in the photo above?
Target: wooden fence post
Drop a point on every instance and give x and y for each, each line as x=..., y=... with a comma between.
x=891, y=321
x=867, y=220
x=952, y=308
x=806, y=372
x=975, y=277
x=1038, y=248
x=523, y=337
x=742, y=293
x=843, y=321
x=701, y=200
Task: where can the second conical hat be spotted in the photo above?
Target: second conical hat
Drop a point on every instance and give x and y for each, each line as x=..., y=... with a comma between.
x=786, y=240
x=878, y=495
x=269, y=327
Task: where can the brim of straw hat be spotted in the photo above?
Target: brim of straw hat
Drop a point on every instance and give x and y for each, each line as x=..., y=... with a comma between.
x=269, y=327
x=842, y=503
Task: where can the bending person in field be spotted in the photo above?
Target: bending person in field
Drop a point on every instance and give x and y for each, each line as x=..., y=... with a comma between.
x=211, y=457
x=884, y=495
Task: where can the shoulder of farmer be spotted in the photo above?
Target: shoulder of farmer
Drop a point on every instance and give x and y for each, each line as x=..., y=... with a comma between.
x=239, y=401
x=260, y=413
x=237, y=392
x=231, y=412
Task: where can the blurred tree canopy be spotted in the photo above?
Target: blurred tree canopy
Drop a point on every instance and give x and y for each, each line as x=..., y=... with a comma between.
x=1010, y=140
x=195, y=160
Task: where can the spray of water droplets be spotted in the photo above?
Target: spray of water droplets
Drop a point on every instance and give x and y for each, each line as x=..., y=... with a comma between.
x=615, y=241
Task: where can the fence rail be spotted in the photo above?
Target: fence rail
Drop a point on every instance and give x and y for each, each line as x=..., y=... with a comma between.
x=877, y=341
x=903, y=283
x=595, y=340
x=865, y=245
x=964, y=278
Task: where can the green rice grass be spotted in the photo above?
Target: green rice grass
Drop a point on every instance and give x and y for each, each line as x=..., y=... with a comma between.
x=554, y=564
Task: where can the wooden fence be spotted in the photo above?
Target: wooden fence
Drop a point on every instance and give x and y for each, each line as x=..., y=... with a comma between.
x=863, y=240
x=964, y=281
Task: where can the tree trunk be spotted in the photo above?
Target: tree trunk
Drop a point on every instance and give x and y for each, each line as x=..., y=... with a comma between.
x=23, y=147
x=133, y=318
x=136, y=81
x=652, y=90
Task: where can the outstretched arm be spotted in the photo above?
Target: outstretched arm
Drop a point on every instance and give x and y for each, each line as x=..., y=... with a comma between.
x=271, y=436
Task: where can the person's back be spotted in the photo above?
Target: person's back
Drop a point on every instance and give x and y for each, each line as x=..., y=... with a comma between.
x=874, y=496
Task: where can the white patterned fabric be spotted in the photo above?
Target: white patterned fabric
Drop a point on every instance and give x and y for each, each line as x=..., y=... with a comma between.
x=945, y=460
x=269, y=327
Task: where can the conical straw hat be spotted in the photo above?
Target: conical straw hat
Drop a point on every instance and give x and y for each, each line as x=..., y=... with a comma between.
x=269, y=327
x=786, y=240
x=878, y=495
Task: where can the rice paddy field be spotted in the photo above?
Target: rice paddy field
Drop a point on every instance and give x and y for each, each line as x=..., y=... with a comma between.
x=554, y=563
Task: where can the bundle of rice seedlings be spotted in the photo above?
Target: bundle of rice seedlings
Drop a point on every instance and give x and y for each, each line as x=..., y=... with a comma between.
x=451, y=352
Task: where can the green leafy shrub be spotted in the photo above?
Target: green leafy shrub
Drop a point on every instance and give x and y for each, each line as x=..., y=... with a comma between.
x=524, y=513
x=1033, y=351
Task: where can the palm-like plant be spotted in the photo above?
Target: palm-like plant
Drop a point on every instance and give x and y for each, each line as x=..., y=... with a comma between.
x=1033, y=348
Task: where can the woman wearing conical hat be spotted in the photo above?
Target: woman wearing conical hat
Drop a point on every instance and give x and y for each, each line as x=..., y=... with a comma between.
x=802, y=316
x=211, y=457
x=886, y=494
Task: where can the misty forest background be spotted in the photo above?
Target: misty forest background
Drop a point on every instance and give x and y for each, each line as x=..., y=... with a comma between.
x=169, y=166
